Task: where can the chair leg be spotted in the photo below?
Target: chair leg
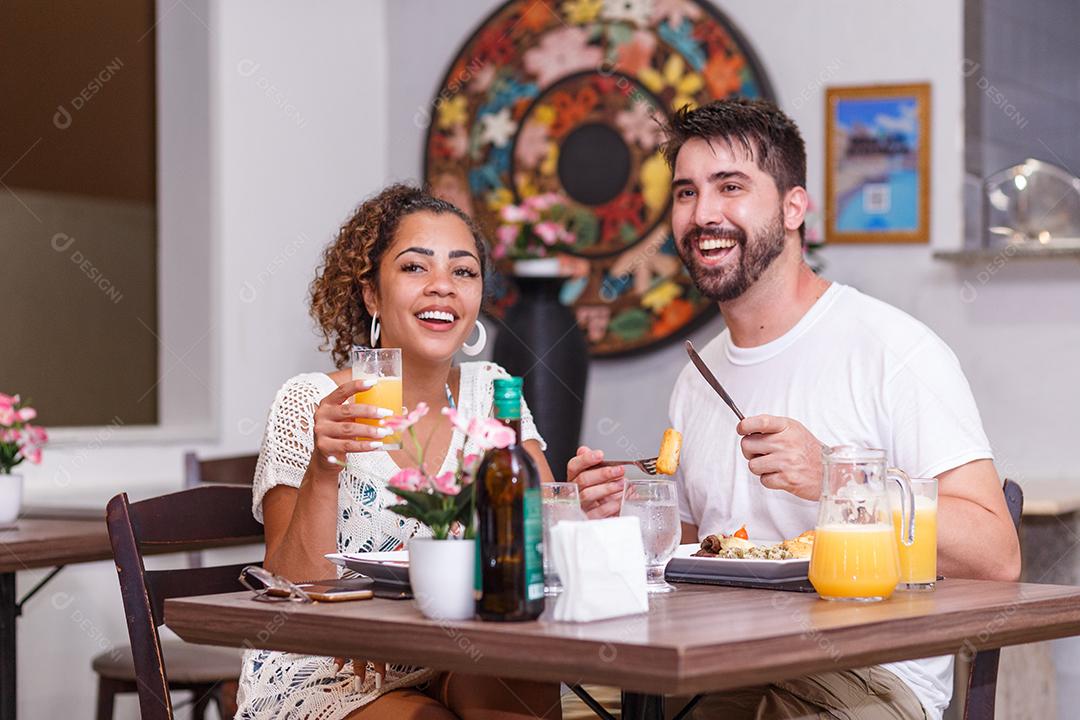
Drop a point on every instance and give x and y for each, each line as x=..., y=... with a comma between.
x=201, y=695
x=226, y=698
x=106, y=696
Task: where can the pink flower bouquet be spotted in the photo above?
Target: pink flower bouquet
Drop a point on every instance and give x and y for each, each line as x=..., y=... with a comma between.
x=19, y=440
x=440, y=501
x=539, y=226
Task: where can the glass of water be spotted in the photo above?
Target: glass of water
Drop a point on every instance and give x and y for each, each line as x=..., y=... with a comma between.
x=655, y=505
x=560, y=502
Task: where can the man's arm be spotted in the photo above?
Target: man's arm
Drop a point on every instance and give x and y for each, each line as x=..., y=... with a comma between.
x=976, y=536
x=689, y=533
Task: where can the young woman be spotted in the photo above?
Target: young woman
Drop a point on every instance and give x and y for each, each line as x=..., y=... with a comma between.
x=407, y=270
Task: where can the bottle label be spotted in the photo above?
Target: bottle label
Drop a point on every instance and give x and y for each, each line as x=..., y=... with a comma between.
x=534, y=537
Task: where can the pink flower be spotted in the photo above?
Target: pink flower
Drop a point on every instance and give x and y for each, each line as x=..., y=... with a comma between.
x=517, y=214
x=8, y=400
x=547, y=231
x=446, y=484
x=31, y=453
x=638, y=125
x=401, y=424
x=9, y=435
x=458, y=420
x=499, y=251
x=562, y=52
x=543, y=202
x=7, y=415
x=408, y=479
x=490, y=433
x=37, y=434
x=532, y=145
x=27, y=414
x=507, y=234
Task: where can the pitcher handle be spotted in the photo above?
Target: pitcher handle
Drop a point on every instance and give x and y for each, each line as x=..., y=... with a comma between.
x=907, y=505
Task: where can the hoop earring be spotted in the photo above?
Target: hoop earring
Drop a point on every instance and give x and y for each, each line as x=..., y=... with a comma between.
x=477, y=347
x=373, y=333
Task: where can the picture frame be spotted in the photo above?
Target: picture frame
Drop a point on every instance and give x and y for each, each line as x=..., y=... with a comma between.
x=877, y=164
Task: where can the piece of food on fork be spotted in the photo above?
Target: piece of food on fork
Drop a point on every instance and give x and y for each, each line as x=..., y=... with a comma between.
x=667, y=460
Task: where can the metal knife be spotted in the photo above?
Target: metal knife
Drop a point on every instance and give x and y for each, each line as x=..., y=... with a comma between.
x=711, y=379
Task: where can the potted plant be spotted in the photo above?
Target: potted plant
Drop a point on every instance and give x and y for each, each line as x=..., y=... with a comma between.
x=442, y=568
x=535, y=236
x=537, y=240
x=19, y=441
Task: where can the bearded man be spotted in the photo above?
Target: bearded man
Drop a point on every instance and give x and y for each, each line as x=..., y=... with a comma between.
x=817, y=364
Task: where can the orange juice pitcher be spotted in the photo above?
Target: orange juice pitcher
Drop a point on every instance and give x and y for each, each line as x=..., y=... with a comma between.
x=855, y=552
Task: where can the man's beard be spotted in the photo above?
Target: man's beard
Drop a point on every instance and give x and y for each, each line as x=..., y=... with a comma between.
x=725, y=283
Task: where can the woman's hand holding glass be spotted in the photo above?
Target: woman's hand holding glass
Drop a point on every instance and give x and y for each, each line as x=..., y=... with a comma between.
x=336, y=430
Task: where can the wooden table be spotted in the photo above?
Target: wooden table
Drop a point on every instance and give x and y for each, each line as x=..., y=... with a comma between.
x=46, y=538
x=699, y=639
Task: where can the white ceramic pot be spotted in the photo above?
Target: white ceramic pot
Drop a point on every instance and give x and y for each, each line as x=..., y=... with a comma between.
x=441, y=573
x=10, y=497
x=539, y=267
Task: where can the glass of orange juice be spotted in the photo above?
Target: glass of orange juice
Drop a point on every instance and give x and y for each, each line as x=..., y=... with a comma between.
x=918, y=561
x=383, y=365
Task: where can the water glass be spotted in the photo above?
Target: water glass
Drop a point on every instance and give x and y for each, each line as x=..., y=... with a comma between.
x=560, y=502
x=383, y=365
x=655, y=505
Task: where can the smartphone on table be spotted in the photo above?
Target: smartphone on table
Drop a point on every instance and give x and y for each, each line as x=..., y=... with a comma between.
x=339, y=590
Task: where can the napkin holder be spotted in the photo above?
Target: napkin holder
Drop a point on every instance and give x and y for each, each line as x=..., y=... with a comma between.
x=601, y=564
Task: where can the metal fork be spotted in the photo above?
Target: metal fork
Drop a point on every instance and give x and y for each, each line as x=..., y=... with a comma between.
x=646, y=465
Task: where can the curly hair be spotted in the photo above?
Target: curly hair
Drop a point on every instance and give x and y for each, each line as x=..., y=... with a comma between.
x=352, y=261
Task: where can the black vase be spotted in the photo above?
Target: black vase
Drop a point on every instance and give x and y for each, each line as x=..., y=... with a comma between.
x=540, y=341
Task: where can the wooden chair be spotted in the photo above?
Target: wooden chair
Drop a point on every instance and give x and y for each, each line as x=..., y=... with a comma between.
x=982, y=680
x=235, y=470
x=202, y=517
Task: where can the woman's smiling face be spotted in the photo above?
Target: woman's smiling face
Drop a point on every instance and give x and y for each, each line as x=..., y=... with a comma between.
x=430, y=286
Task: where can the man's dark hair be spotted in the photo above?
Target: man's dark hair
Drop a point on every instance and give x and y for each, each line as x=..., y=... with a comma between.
x=758, y=126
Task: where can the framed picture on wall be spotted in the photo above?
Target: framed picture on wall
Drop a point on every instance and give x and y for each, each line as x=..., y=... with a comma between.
x=877, y=160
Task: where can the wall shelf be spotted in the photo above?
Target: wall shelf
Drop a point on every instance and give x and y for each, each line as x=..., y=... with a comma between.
x=976, y=255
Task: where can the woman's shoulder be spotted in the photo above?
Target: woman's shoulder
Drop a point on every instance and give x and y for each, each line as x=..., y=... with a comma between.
x=305, y=387
x=483, y=369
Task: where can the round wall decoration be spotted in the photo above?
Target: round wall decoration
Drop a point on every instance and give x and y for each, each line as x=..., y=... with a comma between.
x=566, y=99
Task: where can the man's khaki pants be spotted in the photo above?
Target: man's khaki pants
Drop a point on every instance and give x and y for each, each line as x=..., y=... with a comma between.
x=871, y=693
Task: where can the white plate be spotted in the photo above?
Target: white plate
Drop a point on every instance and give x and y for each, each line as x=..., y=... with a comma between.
x=397, y=557
x=749, y=569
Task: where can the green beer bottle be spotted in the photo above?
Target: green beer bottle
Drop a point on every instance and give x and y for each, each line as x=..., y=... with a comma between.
x=510, y=524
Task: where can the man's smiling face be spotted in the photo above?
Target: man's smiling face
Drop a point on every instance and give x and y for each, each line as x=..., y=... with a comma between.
x=726, y=216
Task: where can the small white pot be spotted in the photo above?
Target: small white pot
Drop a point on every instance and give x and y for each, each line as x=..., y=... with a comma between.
x=442, y=574
x=11, y=487
x=539, y=267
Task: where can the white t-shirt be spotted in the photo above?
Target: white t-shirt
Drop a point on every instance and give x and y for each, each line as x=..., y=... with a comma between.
x=854, y=371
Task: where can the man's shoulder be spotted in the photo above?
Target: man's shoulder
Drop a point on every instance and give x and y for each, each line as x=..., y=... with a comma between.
x=863, y=313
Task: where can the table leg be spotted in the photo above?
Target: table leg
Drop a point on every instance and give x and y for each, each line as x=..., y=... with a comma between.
x=8, y=611
x=640, y=706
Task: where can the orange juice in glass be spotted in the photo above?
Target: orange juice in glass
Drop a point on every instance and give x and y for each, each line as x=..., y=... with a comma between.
x=918, y=561
x=854, y=561
x=383, y=365
x=854, y=555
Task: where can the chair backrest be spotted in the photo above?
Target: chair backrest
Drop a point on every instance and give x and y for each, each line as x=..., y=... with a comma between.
x=982, y=681
x=202, y=517
x=236, y=470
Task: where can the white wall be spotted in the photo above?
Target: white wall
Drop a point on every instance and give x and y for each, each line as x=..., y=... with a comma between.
x=271, y=132
x=1018, y=337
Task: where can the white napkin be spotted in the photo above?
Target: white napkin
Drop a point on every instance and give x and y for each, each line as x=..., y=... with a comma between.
x=602, y=567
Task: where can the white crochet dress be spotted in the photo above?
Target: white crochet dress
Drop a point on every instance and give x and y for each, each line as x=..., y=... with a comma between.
x=306, y=687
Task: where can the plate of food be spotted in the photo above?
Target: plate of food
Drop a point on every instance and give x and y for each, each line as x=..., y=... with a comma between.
x=738, y=557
